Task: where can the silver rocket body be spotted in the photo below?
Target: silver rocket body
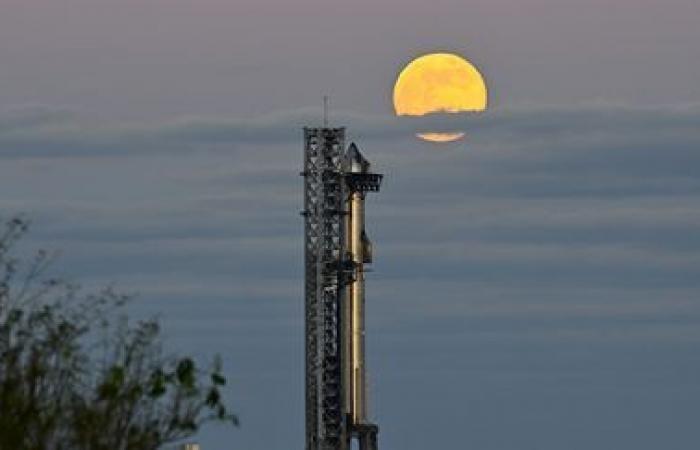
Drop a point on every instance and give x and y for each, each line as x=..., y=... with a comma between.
x=337, y=250
x=359, y=249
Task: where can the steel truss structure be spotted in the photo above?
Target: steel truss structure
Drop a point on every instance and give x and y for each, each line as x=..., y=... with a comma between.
x=331, y=271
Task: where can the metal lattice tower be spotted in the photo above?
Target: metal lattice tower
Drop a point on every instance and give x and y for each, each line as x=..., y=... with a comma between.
x=335, y=251
x=323, y=211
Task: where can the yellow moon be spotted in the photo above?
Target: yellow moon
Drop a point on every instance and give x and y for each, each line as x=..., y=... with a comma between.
x=439, y=82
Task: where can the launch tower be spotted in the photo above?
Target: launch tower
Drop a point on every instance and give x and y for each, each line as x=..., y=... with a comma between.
x=336, y=249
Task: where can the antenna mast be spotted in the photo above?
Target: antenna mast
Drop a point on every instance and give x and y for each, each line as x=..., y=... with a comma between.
x=325, y=111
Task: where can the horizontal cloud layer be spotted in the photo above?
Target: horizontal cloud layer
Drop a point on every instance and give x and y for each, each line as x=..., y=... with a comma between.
x=44, y=131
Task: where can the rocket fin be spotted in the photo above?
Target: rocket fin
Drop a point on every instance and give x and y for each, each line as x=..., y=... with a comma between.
x=366, y=249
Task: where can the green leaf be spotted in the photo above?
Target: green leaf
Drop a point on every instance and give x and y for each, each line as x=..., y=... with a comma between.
x=218, y=379
x=157, y=384
x=186, y=372
x=213, y=397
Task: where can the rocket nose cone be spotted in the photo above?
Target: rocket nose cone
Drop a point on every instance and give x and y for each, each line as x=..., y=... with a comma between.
x=357, y=162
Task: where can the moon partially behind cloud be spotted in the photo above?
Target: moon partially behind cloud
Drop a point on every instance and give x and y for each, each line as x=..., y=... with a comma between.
x=439, y=82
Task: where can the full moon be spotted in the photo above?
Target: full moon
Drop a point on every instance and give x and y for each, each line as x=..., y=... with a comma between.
x=439, y=82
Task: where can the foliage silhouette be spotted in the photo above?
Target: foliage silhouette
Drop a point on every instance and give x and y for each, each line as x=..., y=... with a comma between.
x=75, y=374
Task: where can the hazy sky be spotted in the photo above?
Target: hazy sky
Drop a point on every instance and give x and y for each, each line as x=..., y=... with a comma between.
x=536, y=286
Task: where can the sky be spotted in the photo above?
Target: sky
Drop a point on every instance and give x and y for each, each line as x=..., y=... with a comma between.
x=535, y=286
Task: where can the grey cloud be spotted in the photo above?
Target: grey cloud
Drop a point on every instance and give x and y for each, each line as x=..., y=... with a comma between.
x=30, y=117
x=51, y=133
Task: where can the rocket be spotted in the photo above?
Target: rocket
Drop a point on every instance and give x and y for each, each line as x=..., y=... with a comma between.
x=359, y=180
x=336, y=253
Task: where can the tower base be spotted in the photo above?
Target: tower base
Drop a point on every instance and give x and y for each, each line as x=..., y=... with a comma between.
x=366, y=435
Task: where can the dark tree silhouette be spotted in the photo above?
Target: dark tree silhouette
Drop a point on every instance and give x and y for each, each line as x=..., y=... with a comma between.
x=75, y=374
